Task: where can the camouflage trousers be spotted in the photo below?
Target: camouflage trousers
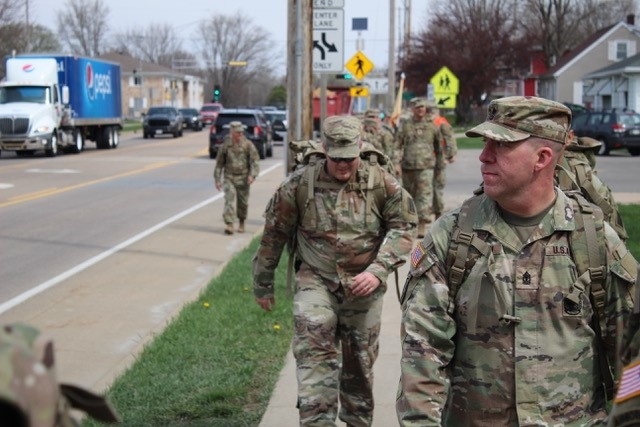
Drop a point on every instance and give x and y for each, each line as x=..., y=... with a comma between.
x=439, y=181
x=419, y=183
x=335, y=346
x=236, y=193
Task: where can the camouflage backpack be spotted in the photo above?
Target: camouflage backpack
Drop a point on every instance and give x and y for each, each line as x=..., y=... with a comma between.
x=587, y=244
x=576, y=172
x=308, y=154
x=30, y=395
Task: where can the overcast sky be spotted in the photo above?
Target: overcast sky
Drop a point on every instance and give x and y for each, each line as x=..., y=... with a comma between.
x=269, y=14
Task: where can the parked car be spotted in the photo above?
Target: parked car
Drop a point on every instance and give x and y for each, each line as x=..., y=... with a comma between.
x=191, y=119
x=162, y=120
x=278, y=120
x=256, y=130
x=615, y=129
x=209, y=112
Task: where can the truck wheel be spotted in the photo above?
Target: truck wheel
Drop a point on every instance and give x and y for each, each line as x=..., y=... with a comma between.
x=52, y=151
x=115, y=138
x=78, y=138
x=107, y=137
x=263, y=151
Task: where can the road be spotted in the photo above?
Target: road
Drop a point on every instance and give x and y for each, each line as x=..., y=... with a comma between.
x=59, y=212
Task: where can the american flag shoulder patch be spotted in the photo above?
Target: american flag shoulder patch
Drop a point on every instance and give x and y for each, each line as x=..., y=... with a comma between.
x=416, y=256
x=629, y=382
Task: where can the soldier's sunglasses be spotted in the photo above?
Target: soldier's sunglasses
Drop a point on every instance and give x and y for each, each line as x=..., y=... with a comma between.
x=348, y=160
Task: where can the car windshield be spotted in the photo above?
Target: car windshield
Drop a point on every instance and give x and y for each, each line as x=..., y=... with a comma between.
x=189, y=111
x=210, y=108
x=630, y=120
x=247, y=120
x=161, y=111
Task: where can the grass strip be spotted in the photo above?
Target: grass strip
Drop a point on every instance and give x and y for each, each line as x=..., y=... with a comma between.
x=216, y=363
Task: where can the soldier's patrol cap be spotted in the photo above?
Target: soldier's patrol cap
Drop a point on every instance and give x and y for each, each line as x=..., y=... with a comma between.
x=341, y=136
x=370, y=121
x=236, y=126
x=372, y=113
x=585, y=144
x=516, y=118
x=422, y=102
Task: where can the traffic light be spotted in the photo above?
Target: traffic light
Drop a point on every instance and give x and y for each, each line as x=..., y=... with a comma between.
x=217, y=93
x=345, y=76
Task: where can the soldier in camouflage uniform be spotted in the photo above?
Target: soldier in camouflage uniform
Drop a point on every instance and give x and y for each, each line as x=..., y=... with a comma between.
x=449, y=149
x=418, y=145
x=381, y=137
x=513, y=345
x=239, y=160
x=30, y=394
x=351, y=231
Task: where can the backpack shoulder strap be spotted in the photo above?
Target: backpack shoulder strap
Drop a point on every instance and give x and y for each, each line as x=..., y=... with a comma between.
x=462, y=238
x=588, y=247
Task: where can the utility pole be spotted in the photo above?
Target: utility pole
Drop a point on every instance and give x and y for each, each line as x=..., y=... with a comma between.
x=299, y=73
x=391, y=74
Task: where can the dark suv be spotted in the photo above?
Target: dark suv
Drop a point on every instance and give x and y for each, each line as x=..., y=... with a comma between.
x=256, y=130
x=615, y=129
x=162, y=120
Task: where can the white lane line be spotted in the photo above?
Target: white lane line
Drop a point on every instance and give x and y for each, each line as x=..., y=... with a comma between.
x=94, y=260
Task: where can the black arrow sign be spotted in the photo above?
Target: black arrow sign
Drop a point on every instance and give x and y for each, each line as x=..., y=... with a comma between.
x=442, y=101
x=330, y=47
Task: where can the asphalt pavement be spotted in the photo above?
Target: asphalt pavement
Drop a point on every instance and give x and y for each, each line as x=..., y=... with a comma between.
x=101, y=317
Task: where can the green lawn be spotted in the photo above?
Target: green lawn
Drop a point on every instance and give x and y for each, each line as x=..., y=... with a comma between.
x=217, y=363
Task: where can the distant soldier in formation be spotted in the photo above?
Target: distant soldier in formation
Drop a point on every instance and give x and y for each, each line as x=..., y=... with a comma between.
x=238, y=160
x=449, y=150
x=378, y=135
x=418, y=145
x=349, y=224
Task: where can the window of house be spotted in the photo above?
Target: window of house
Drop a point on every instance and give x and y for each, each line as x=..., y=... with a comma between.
x=621, y=51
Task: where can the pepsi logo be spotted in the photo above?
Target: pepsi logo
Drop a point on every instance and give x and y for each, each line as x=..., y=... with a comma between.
x=28, y=68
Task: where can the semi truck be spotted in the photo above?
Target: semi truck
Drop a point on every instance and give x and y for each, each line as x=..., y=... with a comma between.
x=58, y=103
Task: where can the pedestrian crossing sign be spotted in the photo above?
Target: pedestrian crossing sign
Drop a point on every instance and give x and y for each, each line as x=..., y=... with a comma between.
x=359, y=65
x=444, y=81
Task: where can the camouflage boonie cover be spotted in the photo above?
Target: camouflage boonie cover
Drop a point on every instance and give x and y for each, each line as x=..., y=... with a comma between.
x=30, y=395
x=517, y=118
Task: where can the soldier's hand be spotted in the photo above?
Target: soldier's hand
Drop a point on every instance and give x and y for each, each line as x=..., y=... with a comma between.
x=451, y=159
x=364, y=284
x=266, y=303
x=218, y=186
x=250, y=180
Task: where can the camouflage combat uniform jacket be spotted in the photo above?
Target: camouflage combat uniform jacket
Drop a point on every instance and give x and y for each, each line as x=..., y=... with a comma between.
x=418, y=144
x=381, y=139
x=238, y=161
x=341, y=238
x=505, y=352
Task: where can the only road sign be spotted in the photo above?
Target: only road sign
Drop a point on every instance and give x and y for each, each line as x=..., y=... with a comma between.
x=328, y=40
x=359, y=65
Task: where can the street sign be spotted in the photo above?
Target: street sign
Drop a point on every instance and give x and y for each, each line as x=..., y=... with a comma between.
x=359, y=65
x=356, y=91
x=377, y=85
x=446, y=87
x=328, y=39
x=328, y=4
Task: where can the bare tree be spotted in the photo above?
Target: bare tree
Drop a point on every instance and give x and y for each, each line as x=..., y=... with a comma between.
x=558, y=26
x=12, y=29
x=157, y=43
x=479, y=40
x=83, y=26
x=228, y=39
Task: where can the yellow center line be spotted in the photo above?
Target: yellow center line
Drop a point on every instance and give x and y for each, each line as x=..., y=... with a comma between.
x=53, y=191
